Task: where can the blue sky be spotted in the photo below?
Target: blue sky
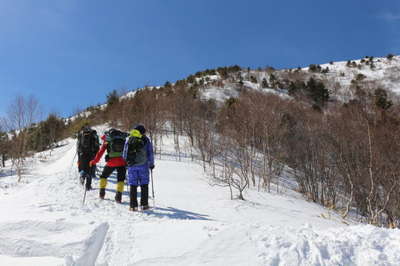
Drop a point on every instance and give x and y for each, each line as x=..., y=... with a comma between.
x=71, y=53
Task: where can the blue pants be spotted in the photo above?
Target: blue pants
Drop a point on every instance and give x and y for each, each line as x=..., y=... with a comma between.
x=138, y=175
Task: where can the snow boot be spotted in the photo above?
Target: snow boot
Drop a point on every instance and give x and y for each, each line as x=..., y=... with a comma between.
x=118, y=197
x=145, y=207
x=134, y=209
x=102, y=193
x=88, y=183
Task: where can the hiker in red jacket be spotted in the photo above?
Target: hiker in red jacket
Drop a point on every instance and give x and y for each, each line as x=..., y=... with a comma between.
x=113, y=142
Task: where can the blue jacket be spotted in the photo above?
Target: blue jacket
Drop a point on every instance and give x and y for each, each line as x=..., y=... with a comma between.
x=138, y=174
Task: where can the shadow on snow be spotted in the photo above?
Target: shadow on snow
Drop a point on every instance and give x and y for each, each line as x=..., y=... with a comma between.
x=174, y=213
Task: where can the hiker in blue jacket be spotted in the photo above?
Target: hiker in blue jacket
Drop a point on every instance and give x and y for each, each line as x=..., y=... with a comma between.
x=139, y=156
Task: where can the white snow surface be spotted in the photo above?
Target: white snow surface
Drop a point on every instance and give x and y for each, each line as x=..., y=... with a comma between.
x=43, y=222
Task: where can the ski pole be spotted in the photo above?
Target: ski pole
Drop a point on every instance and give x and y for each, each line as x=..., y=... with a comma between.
x=152, y=188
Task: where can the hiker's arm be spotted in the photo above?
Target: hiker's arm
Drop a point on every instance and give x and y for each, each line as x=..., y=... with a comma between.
x=100, y=153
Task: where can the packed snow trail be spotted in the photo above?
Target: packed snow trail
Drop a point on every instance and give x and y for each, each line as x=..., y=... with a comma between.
x=43, y=222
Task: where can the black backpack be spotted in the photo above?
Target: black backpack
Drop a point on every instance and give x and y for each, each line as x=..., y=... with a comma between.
x=116, y=142
x=135, y=150
x=88, y=142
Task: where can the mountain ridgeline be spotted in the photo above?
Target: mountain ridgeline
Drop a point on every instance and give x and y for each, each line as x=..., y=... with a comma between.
x=335, y=128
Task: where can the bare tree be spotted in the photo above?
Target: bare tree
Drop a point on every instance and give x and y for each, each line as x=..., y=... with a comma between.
x=22, y=113
x=3, y=142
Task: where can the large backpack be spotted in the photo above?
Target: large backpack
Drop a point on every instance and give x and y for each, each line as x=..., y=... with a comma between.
x=136, y=154
x=116, y=142
x=88, y=142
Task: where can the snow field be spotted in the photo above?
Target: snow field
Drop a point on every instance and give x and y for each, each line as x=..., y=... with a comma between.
x=43, y=222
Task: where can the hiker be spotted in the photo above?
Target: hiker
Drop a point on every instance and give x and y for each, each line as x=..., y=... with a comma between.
x=138, y=153
x=113, y=142
x=86, y=148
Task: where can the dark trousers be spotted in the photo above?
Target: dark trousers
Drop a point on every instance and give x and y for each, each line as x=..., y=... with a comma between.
x=85, y=170
x=121, y=172
x=144, y=196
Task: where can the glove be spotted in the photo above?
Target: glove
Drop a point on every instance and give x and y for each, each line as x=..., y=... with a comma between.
x=92, y=163
x=151, y=167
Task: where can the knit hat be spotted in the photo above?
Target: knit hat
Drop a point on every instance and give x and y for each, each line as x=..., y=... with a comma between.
x=141, y=129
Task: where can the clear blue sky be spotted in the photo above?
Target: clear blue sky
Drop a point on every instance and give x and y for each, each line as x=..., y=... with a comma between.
x=71, y=53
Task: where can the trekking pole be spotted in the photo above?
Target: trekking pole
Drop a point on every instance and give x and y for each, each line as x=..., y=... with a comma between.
x=152, y=188
x=84, y=195
x=73, y=159
x=126, y=183
x=72, y=164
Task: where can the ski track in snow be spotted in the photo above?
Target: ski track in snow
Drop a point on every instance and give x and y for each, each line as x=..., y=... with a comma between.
x=43, y=222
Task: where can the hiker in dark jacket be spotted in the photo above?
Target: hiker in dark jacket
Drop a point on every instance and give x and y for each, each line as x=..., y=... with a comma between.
x=86, y=148
x=138, y=153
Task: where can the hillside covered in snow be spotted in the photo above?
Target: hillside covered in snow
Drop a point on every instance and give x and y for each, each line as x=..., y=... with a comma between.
x=344, y=81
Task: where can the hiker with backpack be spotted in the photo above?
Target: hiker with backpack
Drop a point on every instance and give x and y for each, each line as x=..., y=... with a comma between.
x=138, y=153
x=113, y=143
x=86, y=148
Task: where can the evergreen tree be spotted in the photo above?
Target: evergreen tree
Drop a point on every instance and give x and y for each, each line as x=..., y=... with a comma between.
x=273, y=81
x=167, y=84
x=317, y=92
x=112, y=97
x=360, y=77
x=45, y=134
x=314, y=68
x=381, y=99
x=264, y=83
x=223, y=72
x=191, y=79
x=390, y=56
x=295, y=87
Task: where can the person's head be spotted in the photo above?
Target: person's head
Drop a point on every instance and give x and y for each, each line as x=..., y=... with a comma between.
x=141, y=129
x=85, y=128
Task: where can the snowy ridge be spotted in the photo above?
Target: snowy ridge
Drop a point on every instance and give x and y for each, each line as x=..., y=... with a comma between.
x=385, y=74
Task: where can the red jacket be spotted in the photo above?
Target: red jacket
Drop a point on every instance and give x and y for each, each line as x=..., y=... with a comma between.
x=112, y=162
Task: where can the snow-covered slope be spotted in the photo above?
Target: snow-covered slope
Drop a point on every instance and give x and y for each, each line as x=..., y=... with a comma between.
x=340, y=78
x=43, y=222
x=381, y=73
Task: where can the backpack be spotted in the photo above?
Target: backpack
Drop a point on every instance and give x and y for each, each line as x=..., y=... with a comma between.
x=116, y=142
x=88, y=142
x=136, y=153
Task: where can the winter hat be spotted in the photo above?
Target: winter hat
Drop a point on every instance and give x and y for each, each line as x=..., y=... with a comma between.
x=141, y=129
